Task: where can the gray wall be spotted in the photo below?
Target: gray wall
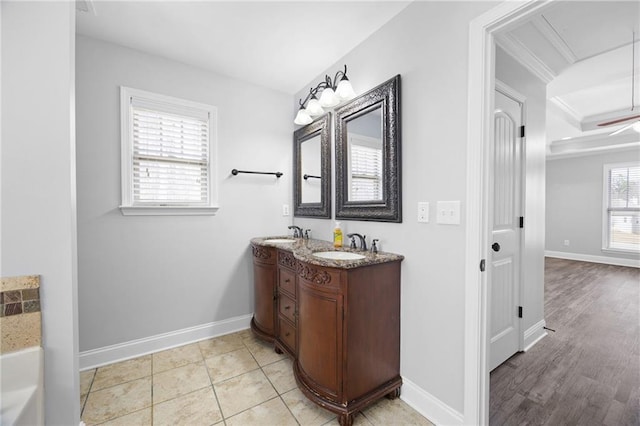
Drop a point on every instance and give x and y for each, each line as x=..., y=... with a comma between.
x=140, y=276
x=574, y=203
x=38, y=183
x=427, y=43
x=520, y=79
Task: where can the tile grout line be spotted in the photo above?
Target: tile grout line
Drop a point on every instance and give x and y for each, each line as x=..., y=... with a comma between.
x=265, y=375
x=84, y=403
x=152, y=403
x=213, y=388
x=279, y=395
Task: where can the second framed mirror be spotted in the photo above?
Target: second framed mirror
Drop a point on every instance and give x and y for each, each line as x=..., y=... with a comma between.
x=312, y=169
x=368, y=162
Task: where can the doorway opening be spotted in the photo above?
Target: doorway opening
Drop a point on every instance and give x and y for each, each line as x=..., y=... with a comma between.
x=481, y=106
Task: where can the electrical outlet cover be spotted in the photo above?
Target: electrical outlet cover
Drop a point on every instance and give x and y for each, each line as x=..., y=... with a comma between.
x=423, y=212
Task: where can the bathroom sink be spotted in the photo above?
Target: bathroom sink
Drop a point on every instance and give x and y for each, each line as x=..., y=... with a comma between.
x=338, y=255
x=279, y=240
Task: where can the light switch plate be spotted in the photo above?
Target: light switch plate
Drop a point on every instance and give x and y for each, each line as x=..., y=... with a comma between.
x=423, y=212
x=285, y=210
x=448, y=212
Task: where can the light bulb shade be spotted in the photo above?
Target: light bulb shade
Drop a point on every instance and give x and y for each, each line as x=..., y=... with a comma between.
x=302, y=117
x=314, y=108
x=344, y=90
x=329, y=99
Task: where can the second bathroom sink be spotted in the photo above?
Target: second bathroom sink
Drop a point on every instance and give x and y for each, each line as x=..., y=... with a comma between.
x=338, y=255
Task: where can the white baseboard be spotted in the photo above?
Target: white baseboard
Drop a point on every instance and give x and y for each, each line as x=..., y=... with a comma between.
x=534, y=334
x=428, y=405
x=618, y=261
x=109, y=354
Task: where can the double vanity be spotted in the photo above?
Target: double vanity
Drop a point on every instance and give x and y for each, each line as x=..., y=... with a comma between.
x=336, y=313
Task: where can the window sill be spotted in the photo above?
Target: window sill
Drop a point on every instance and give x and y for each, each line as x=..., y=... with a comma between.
x=168, y=210
x=620, y=251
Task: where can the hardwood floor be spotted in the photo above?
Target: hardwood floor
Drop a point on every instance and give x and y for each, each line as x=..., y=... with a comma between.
x=588, y=371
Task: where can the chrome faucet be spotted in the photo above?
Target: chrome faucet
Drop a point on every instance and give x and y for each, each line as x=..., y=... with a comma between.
x=363, y=242
x=297, y=231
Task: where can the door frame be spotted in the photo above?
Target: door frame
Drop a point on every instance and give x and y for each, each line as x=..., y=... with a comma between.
x=481, y=87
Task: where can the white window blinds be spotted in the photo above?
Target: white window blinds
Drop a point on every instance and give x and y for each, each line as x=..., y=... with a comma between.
x=623, y=209
x=170, y=158
x=366, y=172
x=168, y=150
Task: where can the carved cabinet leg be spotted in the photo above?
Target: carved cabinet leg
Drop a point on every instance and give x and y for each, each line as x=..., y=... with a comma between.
x=394, y=393
x=345, y=419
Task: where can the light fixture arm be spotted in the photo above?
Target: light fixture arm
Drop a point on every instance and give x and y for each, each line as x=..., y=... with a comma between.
x=342, y=75
x=327, y=83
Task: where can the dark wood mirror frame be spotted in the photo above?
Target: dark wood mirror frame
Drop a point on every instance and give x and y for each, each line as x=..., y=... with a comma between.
x=320, y=126
x=387, y=97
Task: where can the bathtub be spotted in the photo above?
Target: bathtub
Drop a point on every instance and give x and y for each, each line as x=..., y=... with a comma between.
x=21, y=397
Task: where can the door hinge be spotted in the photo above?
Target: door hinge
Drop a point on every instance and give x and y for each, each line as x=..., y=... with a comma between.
x=522, y=131
x=482, y=265
x=519, y=311
x=521, y=221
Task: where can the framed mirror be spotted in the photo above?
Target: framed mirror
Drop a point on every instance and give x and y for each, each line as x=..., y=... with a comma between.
x=368, y=162
x=312, y=169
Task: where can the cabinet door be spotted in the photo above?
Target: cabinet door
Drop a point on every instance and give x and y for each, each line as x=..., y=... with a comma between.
x=264, y=279
x=320, y=338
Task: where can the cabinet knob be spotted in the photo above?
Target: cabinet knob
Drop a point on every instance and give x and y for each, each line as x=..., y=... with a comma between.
x=287, y=280
x=287, y=307
x=287, y=334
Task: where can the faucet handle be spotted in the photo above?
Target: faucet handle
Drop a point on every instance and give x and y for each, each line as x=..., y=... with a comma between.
x=374, y=246
x=353, y=242
x=307, y=233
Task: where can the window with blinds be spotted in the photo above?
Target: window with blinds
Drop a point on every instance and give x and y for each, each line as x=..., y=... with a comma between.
x=365, y=168
x=167, y=155
x=622, y=183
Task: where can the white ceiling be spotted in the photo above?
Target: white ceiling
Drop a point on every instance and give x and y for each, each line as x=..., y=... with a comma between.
x=583, y=50
x=280, y=45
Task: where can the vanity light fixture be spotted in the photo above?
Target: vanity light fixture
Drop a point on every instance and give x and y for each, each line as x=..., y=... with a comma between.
x=332, y=93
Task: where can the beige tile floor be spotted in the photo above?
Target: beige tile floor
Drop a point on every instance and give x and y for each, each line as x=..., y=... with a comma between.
x=229, y=380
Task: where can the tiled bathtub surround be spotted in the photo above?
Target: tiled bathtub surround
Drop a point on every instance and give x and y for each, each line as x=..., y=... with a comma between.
x=233, y=380
x=20, y=318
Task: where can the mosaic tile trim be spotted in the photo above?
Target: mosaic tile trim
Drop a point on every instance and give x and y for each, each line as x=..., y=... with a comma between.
x=14, y=302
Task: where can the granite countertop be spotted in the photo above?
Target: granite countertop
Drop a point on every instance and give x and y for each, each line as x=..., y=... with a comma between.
x=303, y=250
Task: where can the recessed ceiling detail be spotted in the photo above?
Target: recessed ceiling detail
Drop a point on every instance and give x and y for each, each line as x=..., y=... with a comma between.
x=582, y=50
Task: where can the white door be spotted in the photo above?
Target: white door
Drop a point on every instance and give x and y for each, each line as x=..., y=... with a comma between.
x=504, y=288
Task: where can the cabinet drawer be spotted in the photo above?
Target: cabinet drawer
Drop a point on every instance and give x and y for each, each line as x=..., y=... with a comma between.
x=287, y=281
x=287, y=334
x=287, y=308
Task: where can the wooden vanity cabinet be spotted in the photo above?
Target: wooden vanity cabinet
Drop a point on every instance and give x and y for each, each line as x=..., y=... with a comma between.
x=286, y=308
x=348, y=333
x=263, y=323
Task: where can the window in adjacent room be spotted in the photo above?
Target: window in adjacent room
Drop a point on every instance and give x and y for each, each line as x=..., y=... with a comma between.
x=168, y=155
x=622, y=207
